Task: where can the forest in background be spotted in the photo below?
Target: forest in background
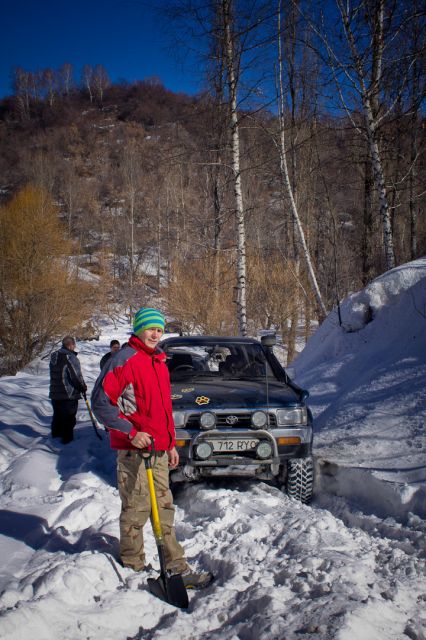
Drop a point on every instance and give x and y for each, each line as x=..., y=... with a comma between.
x=294, y=178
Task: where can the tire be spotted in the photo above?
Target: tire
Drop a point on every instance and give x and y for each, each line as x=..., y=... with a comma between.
x=300, y=479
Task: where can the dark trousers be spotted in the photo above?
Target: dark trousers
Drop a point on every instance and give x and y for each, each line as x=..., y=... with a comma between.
x=64, y=419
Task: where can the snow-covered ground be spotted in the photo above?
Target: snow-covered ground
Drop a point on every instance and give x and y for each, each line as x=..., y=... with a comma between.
x=350, y=566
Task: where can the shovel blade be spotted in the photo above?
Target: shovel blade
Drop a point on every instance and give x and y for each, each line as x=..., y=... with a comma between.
x=170, y=589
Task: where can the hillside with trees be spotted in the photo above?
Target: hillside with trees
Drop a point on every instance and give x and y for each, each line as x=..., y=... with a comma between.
x=249, y=206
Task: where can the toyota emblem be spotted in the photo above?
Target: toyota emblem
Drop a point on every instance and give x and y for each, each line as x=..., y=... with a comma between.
x=231, y=419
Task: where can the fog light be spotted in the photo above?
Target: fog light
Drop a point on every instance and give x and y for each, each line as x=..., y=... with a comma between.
x=204, y=450
x=264, y=450
x=207, y=420
x=259, y=419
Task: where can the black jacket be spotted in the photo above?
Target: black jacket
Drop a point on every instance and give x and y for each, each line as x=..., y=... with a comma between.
x=66, y=380
x=105, y=359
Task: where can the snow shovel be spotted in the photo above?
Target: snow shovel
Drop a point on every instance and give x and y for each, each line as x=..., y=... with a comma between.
x=169, y=588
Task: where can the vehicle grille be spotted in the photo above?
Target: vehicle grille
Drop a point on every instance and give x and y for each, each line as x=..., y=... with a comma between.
x=244, y=421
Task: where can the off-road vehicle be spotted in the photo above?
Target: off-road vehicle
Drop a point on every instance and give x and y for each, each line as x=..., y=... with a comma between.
x=238, y=413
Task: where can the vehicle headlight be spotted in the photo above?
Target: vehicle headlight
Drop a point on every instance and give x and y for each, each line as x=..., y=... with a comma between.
x=207, y=420
x=264, y=450
x=204, y=450
x=259, y=419
x=292, y=416
x=179, y=418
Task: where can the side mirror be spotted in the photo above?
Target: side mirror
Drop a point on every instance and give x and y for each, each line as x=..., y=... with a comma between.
x=269, y=340
x=174, y=326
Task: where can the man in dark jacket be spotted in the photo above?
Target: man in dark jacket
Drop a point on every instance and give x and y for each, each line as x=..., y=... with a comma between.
x=66, y=386
x=114, y=346
x=132, y=397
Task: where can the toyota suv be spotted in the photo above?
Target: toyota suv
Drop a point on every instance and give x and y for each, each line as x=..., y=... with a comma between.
x=237, y=413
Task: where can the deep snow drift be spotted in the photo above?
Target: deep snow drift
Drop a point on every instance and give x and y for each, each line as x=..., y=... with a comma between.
x=367, y=380
x=350, y=566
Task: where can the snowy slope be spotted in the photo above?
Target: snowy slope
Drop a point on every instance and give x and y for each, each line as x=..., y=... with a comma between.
x=338, y=568
x=367, y=380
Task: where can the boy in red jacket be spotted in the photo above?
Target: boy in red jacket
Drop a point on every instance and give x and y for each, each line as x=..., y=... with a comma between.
x=132, y=397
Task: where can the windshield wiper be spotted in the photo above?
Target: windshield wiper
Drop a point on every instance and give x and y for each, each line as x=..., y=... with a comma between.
x=200, y=374
x=193, y=374
x=257, y=378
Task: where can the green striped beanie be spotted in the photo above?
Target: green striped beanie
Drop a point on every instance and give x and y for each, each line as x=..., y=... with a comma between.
x=147, y=318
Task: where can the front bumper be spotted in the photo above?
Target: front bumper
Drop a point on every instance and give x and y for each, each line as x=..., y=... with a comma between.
x=242, y=463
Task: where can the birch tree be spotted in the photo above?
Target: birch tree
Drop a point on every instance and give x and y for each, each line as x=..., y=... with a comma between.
x=226, y=29
x=66, y=77
x=50, y=84
x=131, y=172
x=216, y=171
x=369, y=90
x=232, y=81
x=22, y=90
x=100, y=81
x=87, y=79
x=416, y=94
x=365, y=55
x=285, y=173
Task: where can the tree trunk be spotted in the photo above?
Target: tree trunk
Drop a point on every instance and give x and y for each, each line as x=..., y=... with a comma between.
x=294, y=311
x=367, y=229
x=413, y=150
x=369, y=98
x=321, y=310
x=236, y=166
x=379, y=180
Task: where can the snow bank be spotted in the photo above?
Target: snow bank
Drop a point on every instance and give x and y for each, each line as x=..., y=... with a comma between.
x=362, y=307
x=367, y=380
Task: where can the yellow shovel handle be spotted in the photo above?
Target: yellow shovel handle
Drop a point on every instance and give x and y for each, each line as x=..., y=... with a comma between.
x=155, y=516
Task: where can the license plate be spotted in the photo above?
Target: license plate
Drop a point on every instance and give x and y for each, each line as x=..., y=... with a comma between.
x=242, y=444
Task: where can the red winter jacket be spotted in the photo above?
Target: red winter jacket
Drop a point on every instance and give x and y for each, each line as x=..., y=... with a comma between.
x=133, y=394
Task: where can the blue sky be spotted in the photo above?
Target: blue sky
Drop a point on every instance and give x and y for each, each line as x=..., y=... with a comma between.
x=123, y=35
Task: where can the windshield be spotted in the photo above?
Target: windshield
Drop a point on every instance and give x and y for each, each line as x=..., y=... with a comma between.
x=220, y=360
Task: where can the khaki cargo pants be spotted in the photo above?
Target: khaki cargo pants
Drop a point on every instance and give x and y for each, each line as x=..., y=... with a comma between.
x=136, y=509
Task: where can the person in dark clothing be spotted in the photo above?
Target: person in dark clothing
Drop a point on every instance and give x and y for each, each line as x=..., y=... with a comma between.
x=66, y=386
x=114, y=346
